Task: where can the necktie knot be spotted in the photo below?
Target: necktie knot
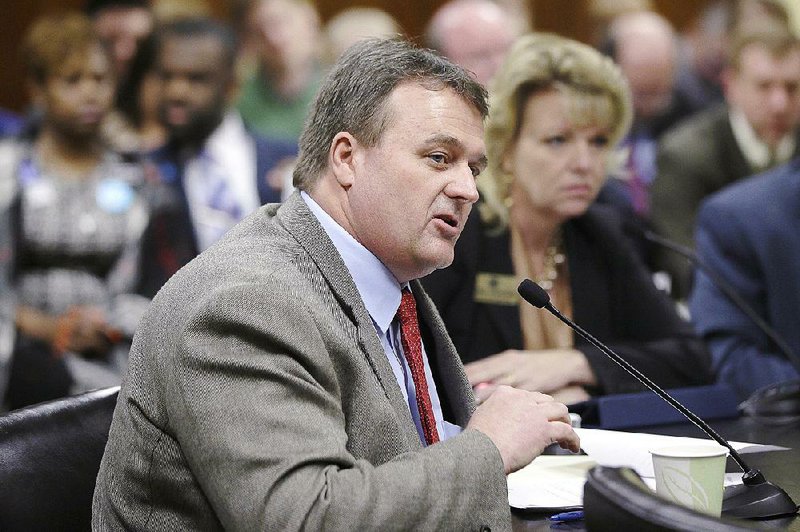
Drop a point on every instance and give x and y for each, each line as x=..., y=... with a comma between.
x=408, y=307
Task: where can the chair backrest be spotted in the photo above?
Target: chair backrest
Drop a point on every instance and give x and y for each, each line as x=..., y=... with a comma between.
x=615, y=498
x=49, y=458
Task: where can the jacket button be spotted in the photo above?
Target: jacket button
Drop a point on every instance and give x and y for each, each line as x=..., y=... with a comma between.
x=486, y=528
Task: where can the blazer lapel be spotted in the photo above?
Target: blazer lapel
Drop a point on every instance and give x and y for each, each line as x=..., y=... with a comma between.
x=589, y=291
x=452, y=384
x=298, y=219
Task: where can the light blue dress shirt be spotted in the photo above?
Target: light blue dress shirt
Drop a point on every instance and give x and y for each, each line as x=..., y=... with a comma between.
x=381, y=294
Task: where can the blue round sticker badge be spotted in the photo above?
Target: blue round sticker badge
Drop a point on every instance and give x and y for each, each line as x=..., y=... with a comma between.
x=114, y=196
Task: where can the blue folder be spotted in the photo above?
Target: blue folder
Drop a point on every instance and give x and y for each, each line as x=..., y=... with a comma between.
x=641, y=409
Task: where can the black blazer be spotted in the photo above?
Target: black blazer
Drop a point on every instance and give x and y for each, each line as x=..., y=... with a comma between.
x=612, y=297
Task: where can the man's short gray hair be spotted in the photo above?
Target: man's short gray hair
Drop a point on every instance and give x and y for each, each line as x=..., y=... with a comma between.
x=354, y=95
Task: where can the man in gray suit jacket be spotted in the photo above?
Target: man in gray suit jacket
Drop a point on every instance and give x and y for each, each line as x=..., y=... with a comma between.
x=269, y=385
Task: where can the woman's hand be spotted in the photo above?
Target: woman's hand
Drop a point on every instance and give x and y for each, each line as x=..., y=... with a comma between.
x=548, y=371
x=81, y=329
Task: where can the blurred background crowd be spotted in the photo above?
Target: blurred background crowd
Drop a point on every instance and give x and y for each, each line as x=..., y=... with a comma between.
x=135, y=133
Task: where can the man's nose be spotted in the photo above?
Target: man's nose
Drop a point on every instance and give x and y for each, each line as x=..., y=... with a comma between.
x=778, y=99
x=175, y=88
x=463, y=186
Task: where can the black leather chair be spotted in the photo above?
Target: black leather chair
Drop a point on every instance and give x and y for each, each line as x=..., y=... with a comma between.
x=615, y=498
x=49, y=458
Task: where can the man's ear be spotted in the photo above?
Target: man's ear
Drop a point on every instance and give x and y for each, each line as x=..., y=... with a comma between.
x=342, y=158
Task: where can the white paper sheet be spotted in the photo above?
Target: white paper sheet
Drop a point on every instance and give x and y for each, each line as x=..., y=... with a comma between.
x=550, y=482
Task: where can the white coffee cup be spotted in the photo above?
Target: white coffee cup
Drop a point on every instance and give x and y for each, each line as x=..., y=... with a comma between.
x=691, y=475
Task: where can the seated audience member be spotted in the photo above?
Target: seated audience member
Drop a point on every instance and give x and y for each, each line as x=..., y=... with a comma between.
x=644, y=46
x=296, y=376
x=601, y=13
x=214, y=170
x=77, y=215
x=757, y=129
x=135, y=127
x=702, y=54
x=284, y=38
x=749, y=233
x=353, y=24
x=558, y=109
x=474, y=34
x=122, y=25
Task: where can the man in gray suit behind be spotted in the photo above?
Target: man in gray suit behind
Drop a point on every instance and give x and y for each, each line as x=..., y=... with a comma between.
x=278, y=381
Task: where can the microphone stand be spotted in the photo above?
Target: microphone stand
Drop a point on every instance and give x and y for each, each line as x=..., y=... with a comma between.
x=758, y=498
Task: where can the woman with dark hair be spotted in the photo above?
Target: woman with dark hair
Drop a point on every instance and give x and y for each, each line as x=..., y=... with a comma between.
x=135, y=127
x=77, y=214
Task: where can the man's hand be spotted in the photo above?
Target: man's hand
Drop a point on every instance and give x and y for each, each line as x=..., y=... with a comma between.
x=521, y=424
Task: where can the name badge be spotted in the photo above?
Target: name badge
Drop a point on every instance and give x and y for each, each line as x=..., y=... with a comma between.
x=496, y=288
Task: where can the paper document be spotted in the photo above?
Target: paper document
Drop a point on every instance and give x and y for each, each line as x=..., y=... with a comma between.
x=556, y=482
x=550, y=483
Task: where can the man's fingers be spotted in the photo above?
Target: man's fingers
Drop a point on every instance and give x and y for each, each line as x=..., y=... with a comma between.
x=565, y=436
x=554, y=411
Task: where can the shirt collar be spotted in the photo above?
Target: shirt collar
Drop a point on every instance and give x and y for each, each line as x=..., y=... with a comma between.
x=755, y=151
x=379, y=289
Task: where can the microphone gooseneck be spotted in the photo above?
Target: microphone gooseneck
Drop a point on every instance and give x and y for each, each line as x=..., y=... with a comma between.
x=723, y=286
x=538, y=297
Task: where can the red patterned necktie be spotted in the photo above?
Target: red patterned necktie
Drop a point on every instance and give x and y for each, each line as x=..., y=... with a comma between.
x=412, y=348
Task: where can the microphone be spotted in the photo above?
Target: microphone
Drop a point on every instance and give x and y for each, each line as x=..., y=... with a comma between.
x=721, y=284
x=755, y=498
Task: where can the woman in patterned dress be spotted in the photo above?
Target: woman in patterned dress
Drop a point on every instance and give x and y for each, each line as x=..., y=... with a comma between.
x=77, y=216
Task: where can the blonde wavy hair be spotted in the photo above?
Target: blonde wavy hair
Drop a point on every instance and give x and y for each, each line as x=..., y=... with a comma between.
x=538, y=62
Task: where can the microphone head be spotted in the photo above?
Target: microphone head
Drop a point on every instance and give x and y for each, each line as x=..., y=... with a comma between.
x=533, y=294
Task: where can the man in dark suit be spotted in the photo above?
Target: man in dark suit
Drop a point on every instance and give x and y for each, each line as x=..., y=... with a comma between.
x=749, y=234
x=213, y=170
x=643, y=45
x=279, y=382
x=756, y=130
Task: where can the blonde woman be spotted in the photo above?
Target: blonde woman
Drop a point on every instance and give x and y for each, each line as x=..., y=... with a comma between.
x=558, y=108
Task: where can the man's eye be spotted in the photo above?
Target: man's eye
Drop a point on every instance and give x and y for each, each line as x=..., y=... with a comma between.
x=438, y=158
x=476, y=170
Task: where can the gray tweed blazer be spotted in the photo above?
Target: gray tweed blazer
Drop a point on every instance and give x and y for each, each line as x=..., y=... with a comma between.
x=259, y=397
